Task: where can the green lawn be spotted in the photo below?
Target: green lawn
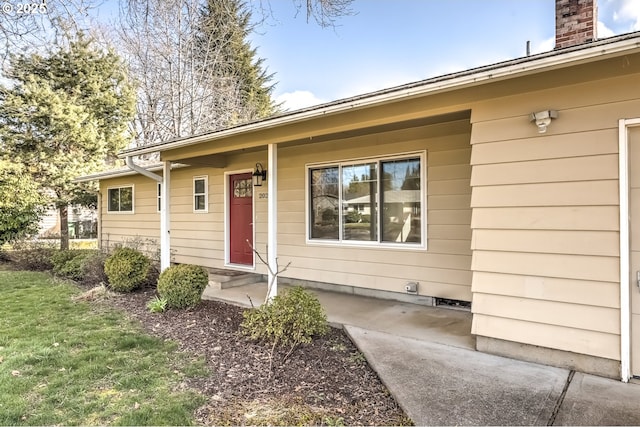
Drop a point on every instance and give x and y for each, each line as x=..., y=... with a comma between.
x=68, y=363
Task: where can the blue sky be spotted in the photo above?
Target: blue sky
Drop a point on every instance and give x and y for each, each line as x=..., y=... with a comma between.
x=391, y=42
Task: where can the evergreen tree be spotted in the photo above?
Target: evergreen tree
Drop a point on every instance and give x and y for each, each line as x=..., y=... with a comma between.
x=21, y=205
x=193, y=66
x=236, y=59
x=63, y=115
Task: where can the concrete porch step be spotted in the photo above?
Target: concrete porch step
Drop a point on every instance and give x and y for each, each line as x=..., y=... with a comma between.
x=247, y=296
x=223, y=279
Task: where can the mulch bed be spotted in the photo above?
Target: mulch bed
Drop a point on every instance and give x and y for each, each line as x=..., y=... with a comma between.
x=326, y=382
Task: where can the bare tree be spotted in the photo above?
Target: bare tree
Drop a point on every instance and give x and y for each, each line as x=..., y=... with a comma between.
x=29, y=26
x=180, y=61
x=324, y=12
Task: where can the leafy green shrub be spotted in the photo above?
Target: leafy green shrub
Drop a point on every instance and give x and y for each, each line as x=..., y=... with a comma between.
x=182, y=285
x=352, y=217
x=292, y=318
x=329, y=215
x=82, y=265
x=126, y=269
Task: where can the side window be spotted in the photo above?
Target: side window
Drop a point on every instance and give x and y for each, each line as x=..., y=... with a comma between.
x=120, y=199
x=200, y=194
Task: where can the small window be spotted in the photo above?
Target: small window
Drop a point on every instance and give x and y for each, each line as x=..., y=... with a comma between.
x=120, y=199
x=159, y=197
x=200, y=194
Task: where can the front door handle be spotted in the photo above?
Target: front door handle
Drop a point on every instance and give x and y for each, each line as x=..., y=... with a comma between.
x=638, y=279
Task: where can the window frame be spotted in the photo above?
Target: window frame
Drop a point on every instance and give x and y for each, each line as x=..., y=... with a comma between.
x=159, y=196
x=204, y=178
x=379, y=243
x=120, y=211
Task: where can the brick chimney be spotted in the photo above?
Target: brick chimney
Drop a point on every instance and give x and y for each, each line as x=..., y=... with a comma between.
x=576, y=22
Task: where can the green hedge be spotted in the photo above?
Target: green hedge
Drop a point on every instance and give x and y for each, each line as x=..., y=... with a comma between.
x=182, y=285
x=127, y=269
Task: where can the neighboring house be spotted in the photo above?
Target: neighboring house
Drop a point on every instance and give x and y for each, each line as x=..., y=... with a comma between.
x=524, y=201
x=82, y=223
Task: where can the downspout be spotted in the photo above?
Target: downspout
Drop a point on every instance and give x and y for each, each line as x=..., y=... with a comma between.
x=164, y=179
x=141, y=170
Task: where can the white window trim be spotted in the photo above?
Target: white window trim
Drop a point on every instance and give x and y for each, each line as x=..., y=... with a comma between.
x=368, y=244
x=133, y=200
x=205, y=194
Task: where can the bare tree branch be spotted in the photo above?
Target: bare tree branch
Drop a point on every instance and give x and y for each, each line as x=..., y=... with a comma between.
x=274, y=273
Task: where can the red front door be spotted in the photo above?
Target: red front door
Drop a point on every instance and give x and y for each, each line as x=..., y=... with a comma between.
x=241, y=219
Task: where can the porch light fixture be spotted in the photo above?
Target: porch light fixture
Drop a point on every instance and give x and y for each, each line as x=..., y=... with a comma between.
x=543, y=119
x=259, y=175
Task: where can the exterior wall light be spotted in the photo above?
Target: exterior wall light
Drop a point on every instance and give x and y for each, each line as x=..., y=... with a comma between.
x=259, y=175
x=543, y=119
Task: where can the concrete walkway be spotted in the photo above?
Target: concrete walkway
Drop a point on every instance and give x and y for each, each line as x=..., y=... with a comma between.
x=426, y=358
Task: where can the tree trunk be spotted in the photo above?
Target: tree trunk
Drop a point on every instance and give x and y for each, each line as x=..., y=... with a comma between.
x=64, y=227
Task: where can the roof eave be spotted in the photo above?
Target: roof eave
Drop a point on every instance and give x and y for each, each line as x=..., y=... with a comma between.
x=500, y=71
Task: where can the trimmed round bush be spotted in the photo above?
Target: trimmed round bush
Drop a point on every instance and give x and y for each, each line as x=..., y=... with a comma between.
x=126, y=269
x=182, y=285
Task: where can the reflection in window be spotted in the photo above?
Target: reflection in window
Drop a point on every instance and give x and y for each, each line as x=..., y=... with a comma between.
x=359, y=206
x=120, y=199
x=200, y=194
x=400, y=201
x=243, y=188
x=373, y=201
x=325, y=222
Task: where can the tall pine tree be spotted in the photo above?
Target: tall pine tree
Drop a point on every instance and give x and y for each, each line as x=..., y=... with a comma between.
x=194, y=67
x=63, y=115
x=236, y=59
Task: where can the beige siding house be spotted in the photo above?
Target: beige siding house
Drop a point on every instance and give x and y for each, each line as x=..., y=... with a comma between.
x=513, y=188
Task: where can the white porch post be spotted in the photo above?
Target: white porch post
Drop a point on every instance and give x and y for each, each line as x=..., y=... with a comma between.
x=165, y=217
x=625, y=262
x=272, y=218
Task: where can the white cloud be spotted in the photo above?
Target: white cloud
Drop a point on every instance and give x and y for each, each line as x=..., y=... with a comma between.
x=628, y=11
x=604, y=31
x=545, y=45
x=298, y=99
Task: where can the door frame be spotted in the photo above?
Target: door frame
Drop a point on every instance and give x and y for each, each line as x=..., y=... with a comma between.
x=227, y=228
x=625, y=265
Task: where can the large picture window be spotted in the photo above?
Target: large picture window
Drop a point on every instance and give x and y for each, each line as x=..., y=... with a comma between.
x=120, y=199
x=375, y=201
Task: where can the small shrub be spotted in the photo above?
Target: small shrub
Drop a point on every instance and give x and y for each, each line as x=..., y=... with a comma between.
x=33, y=259
x=81, y=265
x=182, y=285
x=68, y=263
x=352, y=217
x=157, y=305
x=126, y=269
x=292, y=318
x=93, y=269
